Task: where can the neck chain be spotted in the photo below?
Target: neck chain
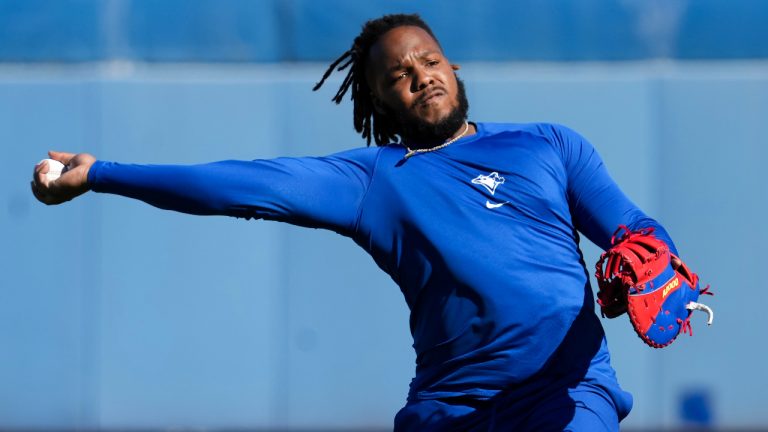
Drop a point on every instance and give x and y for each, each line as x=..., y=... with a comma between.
x=443, y=145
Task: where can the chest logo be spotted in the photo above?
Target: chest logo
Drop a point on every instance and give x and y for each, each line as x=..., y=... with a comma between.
x=492, y=206
x=490, y=182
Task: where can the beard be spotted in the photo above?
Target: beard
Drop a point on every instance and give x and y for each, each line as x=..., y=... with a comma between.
x=423, y=134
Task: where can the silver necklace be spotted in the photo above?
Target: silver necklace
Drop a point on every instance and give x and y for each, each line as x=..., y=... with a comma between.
x=443, y=145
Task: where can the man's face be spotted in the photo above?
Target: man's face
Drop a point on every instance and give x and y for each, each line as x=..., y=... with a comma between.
x=414, y=84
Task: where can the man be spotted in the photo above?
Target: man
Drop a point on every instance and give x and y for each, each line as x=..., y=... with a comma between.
x=477, y=223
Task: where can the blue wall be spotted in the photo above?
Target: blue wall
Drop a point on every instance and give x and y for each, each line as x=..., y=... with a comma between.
x=311, y=30
x=114, y=314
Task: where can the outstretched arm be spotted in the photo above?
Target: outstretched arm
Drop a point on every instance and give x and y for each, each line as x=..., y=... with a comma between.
x=319, y=192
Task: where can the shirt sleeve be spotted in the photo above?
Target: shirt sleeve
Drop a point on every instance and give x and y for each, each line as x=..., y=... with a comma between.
x=597, y=204
x=317, y=192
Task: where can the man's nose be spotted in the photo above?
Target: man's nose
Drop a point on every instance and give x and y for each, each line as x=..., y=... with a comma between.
x=421, y=80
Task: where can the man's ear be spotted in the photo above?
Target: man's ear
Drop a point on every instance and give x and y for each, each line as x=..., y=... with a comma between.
x=455, y=67
x=378, y=106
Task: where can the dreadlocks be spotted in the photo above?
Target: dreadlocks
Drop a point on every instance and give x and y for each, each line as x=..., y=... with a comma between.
x=368, y=122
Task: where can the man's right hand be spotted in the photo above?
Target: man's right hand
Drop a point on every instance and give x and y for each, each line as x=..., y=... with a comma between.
x=72, y=183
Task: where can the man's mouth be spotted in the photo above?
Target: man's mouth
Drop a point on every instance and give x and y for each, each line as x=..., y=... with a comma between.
x=430, y=97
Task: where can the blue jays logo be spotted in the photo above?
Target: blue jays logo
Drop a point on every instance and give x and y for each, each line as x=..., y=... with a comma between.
x=490, y=182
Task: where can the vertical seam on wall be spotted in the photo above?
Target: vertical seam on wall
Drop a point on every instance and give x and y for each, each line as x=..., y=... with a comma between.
x=92, y=269
x=282, y=321
x=657, y=182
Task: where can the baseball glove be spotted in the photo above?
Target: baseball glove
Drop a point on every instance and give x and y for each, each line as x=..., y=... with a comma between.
x=640, y=275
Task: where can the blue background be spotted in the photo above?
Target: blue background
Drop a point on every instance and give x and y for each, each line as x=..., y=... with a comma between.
x=316, y=30
x=115, y=315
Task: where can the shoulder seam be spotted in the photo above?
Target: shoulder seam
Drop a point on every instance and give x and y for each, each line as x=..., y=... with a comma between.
x=359, y=214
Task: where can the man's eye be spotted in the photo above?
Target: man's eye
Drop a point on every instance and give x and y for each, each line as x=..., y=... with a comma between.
x=433, y=63
x=400, y=76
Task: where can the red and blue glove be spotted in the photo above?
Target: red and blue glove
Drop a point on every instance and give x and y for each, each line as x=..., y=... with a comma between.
x=639, y=275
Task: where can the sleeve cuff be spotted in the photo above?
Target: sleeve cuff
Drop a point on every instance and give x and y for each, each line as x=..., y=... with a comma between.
x=94, y=175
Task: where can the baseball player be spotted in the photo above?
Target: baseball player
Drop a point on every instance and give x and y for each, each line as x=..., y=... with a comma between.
x=477, y=223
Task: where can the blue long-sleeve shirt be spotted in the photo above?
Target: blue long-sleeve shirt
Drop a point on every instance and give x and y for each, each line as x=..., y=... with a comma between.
x=481, y=237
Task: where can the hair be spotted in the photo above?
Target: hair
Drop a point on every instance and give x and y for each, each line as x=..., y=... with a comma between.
x=368, y=122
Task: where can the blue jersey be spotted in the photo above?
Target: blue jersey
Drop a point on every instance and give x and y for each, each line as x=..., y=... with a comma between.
x=481, y=237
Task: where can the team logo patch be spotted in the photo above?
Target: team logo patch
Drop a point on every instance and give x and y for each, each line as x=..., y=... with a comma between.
x=490, y=182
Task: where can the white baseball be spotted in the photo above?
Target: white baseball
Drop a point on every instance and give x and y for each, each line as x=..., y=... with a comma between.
x=55, y=168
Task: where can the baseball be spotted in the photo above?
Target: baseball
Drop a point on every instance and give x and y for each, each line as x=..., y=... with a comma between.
x=55, y=169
